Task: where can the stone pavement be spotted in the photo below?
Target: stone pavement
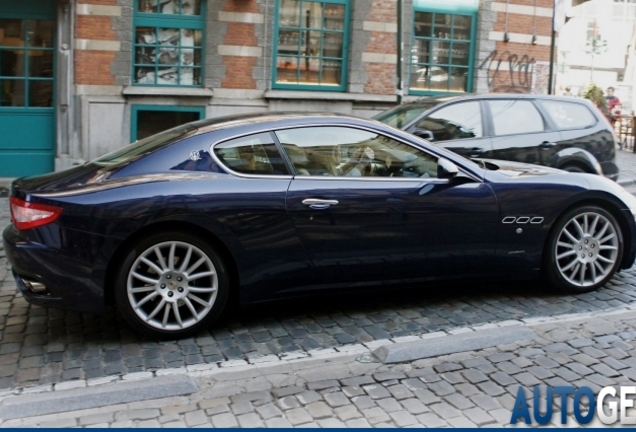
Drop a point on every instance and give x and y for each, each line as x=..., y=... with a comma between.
x=475, y=388
x=626, y=161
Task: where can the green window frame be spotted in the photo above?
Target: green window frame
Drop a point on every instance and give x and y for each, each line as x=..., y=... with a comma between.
x=442, y=49
x=311, y=45
x=168, y=45
x=27, y=81
x=135, y=109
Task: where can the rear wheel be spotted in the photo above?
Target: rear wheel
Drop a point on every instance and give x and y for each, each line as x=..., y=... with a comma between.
x=574, y=169
x=171, y=284
x=585, y=249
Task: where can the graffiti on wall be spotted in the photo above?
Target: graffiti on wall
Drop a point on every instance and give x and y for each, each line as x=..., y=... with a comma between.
x=508, y=72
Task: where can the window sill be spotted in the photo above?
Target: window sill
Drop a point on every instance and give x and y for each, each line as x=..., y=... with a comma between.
x=167, y=91
x=328, y=96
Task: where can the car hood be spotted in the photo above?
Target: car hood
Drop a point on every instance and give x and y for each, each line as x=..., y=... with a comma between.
x=516, y=169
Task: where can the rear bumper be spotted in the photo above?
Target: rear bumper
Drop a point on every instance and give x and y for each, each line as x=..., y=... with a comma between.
x=69, y=282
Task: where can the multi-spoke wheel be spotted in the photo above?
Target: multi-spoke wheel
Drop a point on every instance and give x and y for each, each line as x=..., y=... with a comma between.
x=585, y=249
x=171, y=284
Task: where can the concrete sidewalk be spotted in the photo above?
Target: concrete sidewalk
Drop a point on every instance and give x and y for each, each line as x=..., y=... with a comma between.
x=355, y=389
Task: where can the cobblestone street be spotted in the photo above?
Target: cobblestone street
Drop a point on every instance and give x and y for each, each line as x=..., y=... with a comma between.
x=47, y=346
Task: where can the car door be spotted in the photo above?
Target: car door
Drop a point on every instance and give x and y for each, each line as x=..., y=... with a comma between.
x=457, y=127
x=520, y=133
x=379, y=213
x=579, y=129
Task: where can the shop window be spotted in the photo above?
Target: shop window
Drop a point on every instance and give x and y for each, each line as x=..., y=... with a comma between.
x=168, y=42
x=26, y=63
x=150, y=120
x=442, y=52
x=311, y=39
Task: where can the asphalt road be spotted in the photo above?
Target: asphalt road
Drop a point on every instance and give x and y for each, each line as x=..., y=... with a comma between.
x=43, y=346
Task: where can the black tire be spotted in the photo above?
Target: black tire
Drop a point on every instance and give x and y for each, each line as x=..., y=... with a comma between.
x=592, y=256
x=574, y=169
x=185, y=305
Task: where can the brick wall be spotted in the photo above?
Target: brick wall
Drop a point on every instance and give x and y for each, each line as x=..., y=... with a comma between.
x=516, y=66
x=381, y=48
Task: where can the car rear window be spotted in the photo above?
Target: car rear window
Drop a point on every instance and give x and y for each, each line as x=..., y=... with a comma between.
x=402, y=115
x=142, y=147
x=569, y=115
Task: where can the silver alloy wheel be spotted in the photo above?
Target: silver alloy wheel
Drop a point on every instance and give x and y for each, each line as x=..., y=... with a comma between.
x=587, y=249
x=172, y=285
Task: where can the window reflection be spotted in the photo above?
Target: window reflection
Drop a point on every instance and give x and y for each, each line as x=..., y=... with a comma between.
x=310, y=42
x=440, y=54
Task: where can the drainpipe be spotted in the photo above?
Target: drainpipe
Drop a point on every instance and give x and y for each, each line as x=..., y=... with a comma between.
x=400, y=49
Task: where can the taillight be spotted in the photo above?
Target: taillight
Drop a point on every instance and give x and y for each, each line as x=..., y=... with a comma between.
x=26, y=215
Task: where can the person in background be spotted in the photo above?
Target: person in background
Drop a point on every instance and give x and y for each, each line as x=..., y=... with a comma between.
x=613, y=104
x=568, y=91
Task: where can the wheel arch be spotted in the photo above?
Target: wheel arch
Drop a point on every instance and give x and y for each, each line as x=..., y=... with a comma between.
x=612, y=207
x=170, y=225
x=578, y=157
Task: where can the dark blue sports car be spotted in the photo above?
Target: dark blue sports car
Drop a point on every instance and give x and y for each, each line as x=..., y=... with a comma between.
x=277, y=205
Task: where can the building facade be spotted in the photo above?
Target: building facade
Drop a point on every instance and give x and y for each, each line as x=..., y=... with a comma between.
x=81, y=78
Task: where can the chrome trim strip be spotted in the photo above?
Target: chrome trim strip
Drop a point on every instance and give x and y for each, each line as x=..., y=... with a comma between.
x=509, y=219
x=523, y=220
x=536, y=220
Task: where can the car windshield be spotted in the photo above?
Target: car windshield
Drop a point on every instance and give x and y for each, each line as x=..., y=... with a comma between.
x=144, y=146
x=402, y=115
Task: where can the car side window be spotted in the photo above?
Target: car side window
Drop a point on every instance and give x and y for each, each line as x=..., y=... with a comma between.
x=253, y=154
x=349, y=152
x=456, y=121
x=515, y=117
x=568, y=115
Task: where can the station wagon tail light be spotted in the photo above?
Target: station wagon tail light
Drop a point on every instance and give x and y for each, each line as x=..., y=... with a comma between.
x=26, y=215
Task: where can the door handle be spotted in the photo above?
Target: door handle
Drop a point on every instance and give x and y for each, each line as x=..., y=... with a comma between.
x=319, y=204
x=546, y=145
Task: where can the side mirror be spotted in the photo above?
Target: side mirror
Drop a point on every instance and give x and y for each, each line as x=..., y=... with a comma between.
x=446, y=169
x=424, y=133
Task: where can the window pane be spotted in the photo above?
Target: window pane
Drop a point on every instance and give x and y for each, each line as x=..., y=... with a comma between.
x=443, y=26
x=150, y=122
x=190, y=7
x=347, y=152
x=332, y=45
x=12, y=32
x=438, y=77
x=420, y=51
x=177, y=48
x=12, y=63
x=41, y=64
x=288, y=42
x=441, y=51
x=40, y=33
x=331, y=72
x=515, y=117
x=457, y=121
x=290, y=13
x=459, y=54
x=568, y=115
x=458, y=79
x=255, y=154
x=287, y=69
x=40, y=93
x=12, y=93
x=461, y=27
x=311, y=15
x=423, y=24
x=334, y=16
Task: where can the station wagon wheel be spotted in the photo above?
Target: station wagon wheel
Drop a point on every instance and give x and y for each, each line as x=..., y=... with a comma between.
x=171, y=285
x=585, y=249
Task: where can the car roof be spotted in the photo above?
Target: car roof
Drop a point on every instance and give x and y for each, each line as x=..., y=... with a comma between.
x=271, y=118
x=427, y=100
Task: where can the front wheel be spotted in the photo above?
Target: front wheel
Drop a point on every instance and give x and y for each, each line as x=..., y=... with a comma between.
x=171, y=285
x=585, y=249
